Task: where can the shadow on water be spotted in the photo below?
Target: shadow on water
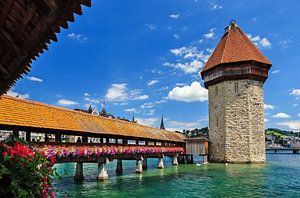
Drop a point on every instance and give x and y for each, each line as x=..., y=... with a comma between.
x=277, y=178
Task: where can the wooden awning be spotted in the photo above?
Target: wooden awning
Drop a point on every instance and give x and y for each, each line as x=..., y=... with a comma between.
x=26, y=28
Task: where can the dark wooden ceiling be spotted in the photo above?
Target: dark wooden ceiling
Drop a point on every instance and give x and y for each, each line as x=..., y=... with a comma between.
x=26, y=29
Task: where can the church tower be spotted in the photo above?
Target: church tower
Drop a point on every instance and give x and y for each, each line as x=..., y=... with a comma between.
x=162, y=124
x=234, y=76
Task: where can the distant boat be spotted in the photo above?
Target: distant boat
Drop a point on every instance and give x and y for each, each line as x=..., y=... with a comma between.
x=198, y=164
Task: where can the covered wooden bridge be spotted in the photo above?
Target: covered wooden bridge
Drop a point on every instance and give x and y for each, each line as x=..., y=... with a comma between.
x=102, y=139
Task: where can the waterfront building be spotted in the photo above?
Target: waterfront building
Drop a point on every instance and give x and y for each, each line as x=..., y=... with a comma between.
x=234, y=76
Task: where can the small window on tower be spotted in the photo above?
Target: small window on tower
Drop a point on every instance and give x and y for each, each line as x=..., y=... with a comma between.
x=236, y=88
x=217, y=121
x=216, y=90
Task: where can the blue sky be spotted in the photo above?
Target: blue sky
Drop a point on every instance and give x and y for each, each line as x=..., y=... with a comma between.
x=144, y=56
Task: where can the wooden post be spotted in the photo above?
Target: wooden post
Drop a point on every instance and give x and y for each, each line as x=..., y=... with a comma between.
x=145, y=166
x=46, y=137
x=84, y=139
x=79, y=172
x=16, y=132
x=57, y=137
x=119, y=169
x=28, y=136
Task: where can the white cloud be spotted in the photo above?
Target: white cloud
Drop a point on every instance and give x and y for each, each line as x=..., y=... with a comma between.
x=150, y=27
x=268, y=106
x=160, y=101
x=191, y=59
x=192, y=93
x=260, y=42
x=120, y=92
x=64, y=102
x=152, y=82
x=266, y=120
x=86, y=94
x=16, y=94
x=281, y=115
x=117, y=92
x=147, y=105
x=295, y=105
x=148, y=121
x=285, y=43
x=215, y=6
x=292, y=125
x=210, y=34
x=77, y=37
x=295, y=92
x=174, y=125
x=142, y=97
x=150, y=112
x=188, y=67
x=36, y=79
x=276, y=71
x=174, y=16
x=130, y=110
x=92, y=100
x=176, y=36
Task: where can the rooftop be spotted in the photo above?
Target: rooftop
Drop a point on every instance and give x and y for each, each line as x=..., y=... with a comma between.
x=234, y=46
x=26, y=113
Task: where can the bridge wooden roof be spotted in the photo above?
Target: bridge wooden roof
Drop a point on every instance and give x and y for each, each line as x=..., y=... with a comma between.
x=26, y=113
x=26, y=28
x=234, y=46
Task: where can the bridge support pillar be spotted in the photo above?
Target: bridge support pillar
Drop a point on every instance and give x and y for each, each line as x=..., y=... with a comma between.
x=174, y=160
x=160, y=164
x=145, y=166
x=119, y=169
x=295, y=151
x=139, y=166
x=79, y=172
x=102, y=172
x=205, y=159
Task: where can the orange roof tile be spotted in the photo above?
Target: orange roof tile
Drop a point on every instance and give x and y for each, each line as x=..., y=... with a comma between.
x=26, y=113
x=234, y=46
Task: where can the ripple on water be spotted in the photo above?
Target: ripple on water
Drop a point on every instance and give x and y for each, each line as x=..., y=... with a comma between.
x=279, y=177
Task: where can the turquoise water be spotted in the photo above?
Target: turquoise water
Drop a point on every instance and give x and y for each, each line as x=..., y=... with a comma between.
x=279, y=177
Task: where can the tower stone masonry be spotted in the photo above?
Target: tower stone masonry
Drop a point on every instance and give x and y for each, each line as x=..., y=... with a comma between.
x=234, y=76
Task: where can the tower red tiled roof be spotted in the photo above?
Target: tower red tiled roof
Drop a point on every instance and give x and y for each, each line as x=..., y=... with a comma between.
x=234, y=46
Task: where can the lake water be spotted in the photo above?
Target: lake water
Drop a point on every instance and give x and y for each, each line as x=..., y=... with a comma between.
x=279, y=177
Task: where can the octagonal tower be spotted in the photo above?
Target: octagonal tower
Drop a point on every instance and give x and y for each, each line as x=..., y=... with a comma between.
x=234, y=76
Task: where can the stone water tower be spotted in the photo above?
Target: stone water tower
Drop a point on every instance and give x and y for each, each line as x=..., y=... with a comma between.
x=234, y=76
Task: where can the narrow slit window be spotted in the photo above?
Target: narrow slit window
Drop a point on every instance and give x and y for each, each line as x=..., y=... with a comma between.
x=236, y=88
x=216, y=90
x=217, y=121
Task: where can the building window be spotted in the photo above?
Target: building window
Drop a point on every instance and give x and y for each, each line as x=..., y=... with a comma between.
x=217, y=121
x=236, y=88
x=216, y=90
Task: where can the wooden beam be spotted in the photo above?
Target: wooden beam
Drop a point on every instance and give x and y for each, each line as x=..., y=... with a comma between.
x=23, y=23
x=5, y=10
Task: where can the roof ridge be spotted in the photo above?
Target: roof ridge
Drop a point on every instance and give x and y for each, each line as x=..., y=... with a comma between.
x=74, y=111
x=225, y=44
